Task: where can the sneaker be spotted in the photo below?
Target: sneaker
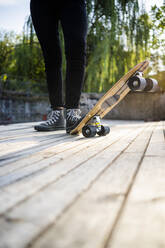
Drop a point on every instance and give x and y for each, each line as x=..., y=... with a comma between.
x=55, y=122
x=73, y=118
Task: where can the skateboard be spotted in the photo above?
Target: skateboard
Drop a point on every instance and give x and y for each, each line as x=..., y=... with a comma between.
x=90, y=124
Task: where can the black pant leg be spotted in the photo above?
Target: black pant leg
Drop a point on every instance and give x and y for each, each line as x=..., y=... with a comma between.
x=74, y=23
x=45, y=17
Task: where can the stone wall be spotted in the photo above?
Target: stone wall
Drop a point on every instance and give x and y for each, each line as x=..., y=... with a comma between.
x=136, y=106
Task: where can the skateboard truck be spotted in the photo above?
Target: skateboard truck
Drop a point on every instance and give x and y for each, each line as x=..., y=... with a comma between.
x=94, y=127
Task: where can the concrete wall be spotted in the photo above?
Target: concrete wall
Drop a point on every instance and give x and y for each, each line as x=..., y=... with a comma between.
x=136, y=106
x=140, y=106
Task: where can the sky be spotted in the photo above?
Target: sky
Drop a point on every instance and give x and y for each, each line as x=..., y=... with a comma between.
x=14, y=12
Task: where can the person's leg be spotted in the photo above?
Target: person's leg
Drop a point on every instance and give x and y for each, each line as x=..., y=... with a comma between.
x=45, y=19
x=74, y=23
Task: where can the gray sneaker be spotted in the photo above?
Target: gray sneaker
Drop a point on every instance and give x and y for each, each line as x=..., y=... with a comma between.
x=55, y=122
x=73, y=118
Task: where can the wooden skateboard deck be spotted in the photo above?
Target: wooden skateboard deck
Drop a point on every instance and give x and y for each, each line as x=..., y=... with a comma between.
x=112, y=97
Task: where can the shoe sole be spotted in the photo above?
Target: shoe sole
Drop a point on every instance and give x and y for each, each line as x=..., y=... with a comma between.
x=50, y=129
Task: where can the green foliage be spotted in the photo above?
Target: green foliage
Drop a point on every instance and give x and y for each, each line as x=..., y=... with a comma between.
x=158, y=36
x=159, y=17
x=25, y=68
x=6, y=48
x=118, y=39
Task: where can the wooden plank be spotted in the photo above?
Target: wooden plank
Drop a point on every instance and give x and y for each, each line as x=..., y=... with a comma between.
x=23, y=189
x=49, y=158
x=30, y=137
x=7, y=136
x=16, y=126
x=44, y=154
x=54, y=136
x=53, y=150
x=38, y=212
x=157, y=144
x=14, y=156
x=88, y=222
x=143, y=216
x=140, y=143
x=16, y=146
x=24, y=142
x=24, y=131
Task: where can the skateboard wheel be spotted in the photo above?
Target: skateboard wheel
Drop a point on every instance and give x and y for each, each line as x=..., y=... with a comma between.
x=89, y=131
x=137, y=83
x=152, y=85
x=104, y=131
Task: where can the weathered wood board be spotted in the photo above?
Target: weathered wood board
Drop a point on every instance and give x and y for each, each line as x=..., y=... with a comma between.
x=62, y=191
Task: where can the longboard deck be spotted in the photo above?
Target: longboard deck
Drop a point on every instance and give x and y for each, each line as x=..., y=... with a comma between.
x=112, y=97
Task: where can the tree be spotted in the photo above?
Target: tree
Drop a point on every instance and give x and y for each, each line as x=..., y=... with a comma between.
x=118, y=39
x=158, y=42
x=28, y=63
x=158, y=29
x=6, y=48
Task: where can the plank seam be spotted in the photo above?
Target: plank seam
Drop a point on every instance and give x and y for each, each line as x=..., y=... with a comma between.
x=38, y=153
x=16, y=129
x=123, y=205
x=10, y=160
x=26, y=135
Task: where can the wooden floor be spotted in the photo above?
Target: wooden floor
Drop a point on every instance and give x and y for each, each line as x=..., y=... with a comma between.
x=62, y=191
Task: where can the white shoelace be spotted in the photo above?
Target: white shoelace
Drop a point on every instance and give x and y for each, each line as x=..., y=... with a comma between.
x=53, y=117
x=73, y=114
